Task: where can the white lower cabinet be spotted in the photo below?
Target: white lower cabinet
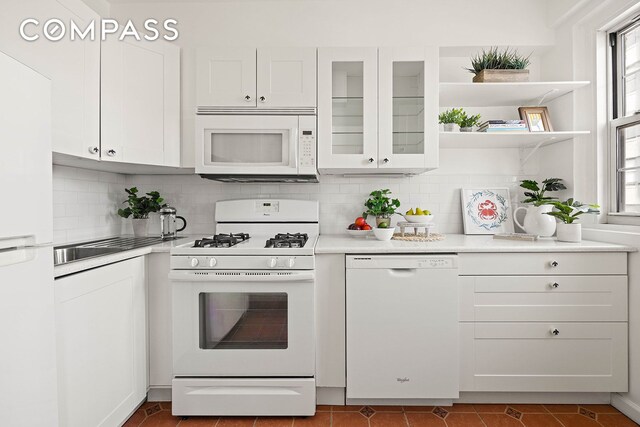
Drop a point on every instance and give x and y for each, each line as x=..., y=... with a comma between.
x=160, y=320
x=543, y=322
x=101, y=344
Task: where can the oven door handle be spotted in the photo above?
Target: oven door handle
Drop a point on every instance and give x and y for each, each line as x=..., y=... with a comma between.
x=215, y=276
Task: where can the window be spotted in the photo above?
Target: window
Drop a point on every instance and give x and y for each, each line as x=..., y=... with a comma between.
x=625, y=123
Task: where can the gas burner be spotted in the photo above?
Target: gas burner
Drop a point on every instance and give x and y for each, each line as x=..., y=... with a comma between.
x=221, y=240
x=287, y=240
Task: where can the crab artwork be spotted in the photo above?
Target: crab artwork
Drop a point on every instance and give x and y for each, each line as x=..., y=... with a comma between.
x=487, y=210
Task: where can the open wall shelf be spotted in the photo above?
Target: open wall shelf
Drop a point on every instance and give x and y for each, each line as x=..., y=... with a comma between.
x=504, y=140
x=504, y=94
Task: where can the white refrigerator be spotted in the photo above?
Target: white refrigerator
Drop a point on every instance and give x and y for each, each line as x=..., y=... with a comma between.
x=28, y=379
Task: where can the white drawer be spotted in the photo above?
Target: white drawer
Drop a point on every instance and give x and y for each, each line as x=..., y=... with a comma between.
x=583, y=357
x=553, y=263
x=543, y=298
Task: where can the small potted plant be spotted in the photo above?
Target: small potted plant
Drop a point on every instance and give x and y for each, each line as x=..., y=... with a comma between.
x=140, y=208
x=497, y=65
x=450, y=119
x=381, y=206
x=568, y=212
x=467, y=122
x=536, y=220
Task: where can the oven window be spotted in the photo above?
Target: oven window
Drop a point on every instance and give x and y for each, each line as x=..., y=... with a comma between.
x=243, y=321
x=248, y=147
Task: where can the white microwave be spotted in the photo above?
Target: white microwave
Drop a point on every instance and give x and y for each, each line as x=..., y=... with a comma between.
x=256, y=148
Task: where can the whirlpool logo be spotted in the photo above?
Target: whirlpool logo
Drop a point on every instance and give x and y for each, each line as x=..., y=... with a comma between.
x=55, y=29
x=402, y=380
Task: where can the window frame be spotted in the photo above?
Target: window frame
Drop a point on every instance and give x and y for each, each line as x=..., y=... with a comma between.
x=618, y=120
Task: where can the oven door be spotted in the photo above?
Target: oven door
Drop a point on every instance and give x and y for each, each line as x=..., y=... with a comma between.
x=247, y=145
x=243, y=324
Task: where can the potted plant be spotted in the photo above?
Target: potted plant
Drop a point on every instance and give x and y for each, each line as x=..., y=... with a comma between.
x=497, y=65
x=536, y=220
x=450, y=118
x=140, y=208
x=467, y=123
x=568, y=212
x=381, y=206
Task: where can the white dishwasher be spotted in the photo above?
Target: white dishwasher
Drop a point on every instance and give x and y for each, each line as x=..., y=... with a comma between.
x=402, y=327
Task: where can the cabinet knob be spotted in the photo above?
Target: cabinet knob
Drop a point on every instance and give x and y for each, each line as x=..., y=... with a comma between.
x=385, y=160
x=553, y=263
x=94, y=150
x=262, y=99
x=247, y=98
x=555, y=331
x=111, y=152
x=371, y=160
x=554, y=285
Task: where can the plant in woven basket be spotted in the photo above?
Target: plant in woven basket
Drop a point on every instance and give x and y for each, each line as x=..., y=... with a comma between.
x=497, y=59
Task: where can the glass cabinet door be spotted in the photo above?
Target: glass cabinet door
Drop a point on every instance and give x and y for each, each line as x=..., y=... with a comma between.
x=347, y=108
x=407, y=118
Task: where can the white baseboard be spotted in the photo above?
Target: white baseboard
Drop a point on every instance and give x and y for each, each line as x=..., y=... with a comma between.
x=514, y=397
x=626, y=406
x=330, y=395
x=159, y=394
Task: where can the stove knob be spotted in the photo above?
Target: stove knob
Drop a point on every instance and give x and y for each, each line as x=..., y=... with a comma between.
x=291, y=262
x=194, y=262
x=212, y=262
x=272, y=263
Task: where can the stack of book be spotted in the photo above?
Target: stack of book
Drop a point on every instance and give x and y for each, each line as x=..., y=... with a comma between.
x=496, y=126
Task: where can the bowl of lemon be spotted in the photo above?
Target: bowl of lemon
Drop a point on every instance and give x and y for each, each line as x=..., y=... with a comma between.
x=419, y=216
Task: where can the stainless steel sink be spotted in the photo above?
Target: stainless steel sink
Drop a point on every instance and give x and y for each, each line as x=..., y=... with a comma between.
x=95, y=248
x=65, y=255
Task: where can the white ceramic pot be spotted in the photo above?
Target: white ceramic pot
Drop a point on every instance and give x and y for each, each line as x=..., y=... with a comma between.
x=467, y=129
x=140, y=227
x=451, y=127
x=571, y=233
x=383, y=233
x=536, y=221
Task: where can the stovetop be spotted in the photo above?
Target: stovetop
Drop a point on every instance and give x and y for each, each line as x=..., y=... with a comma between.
x=250, y=244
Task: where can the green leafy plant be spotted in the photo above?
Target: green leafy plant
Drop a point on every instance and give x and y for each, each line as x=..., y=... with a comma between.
x=141, y=207
x=466, y=121
x=380, y=204
x=450, y=116
x=496, y=59
x=536, y=192
x=569, y=210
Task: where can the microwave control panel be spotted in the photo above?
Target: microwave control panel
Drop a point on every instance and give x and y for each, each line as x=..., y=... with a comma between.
x=307, y=148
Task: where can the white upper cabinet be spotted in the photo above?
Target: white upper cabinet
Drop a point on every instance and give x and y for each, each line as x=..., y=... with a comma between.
x=72, y=66
x=256, y=78
x=226, y=77
x=140, y=102
x=377, y=110
x=286, y=77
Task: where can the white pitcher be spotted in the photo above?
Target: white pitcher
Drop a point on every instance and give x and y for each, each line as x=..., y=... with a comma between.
x=536, y=221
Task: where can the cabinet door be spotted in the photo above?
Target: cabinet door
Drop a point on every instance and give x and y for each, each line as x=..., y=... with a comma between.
x=141, y=102
x=72, y=66
x=101, y=343
x=408, y=108
x=286, y=77
x=226, y=77
x=160, y=341
x=347, y=108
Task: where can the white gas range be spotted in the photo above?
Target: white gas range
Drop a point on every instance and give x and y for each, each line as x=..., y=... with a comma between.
x=243, y=312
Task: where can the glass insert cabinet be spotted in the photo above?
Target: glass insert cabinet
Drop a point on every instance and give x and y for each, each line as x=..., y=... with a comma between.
x=377, y=110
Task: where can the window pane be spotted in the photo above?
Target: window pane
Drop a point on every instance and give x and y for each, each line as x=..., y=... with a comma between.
x=408, y=107
x=243, y=321
x=348, y=108
x=629, y=168
x=631, y=64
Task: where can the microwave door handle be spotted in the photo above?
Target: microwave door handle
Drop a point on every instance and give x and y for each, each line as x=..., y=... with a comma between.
x=294, y=140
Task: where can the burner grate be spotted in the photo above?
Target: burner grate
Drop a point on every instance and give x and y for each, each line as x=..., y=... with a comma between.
x=221, y=240
x=287, y=240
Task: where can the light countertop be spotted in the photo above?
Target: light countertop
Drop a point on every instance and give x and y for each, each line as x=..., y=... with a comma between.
x=86, y=264
x=456, y=243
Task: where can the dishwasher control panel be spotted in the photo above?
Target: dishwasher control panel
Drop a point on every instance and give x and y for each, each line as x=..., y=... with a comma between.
x=409, y=261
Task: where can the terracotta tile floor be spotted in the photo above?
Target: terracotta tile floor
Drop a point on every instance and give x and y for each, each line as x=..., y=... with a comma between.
x=158, y=414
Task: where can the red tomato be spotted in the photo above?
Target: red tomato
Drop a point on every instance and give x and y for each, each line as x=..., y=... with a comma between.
x=366, y=227
x=360, y=221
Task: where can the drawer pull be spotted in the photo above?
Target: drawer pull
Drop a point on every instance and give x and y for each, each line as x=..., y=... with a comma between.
x=555, y=285
x=555, y=332
x=553, y=263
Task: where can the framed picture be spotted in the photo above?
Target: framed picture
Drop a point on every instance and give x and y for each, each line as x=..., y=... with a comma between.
x=486, y=210
x=537, y=118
